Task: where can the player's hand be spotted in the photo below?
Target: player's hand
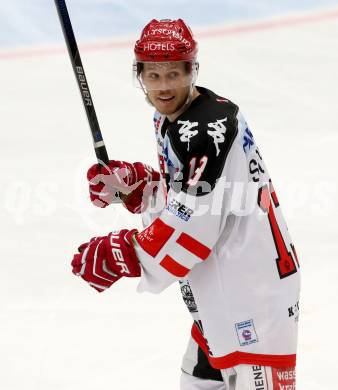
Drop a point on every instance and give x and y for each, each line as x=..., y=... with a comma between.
x=135, y=182
x=104, y=260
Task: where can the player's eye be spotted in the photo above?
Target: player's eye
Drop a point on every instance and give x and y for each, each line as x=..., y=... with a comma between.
x=173, y=75
x=152, y=76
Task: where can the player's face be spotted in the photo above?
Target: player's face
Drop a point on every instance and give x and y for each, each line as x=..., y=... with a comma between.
x=167, y=85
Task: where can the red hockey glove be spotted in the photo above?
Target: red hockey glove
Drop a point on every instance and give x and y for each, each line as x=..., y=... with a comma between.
x=104, y=260
x=137, y=182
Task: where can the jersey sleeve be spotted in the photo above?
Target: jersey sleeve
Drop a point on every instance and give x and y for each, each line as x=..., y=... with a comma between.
x=185, y=233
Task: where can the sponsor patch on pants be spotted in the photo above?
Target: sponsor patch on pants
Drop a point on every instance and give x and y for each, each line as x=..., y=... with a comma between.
x=284, y=378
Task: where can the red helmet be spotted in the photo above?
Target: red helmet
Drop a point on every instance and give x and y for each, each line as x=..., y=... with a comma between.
x=165, y=40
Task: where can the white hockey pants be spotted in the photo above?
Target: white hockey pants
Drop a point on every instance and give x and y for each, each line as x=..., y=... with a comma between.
x=197, y=374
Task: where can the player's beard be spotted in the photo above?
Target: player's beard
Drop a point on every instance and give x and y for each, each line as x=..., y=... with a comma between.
x=168, y=102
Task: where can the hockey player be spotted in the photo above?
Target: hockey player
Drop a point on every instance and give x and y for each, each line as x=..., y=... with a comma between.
x=212, y=222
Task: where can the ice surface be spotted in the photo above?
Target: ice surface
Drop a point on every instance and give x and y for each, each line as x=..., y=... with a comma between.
x=57, y=333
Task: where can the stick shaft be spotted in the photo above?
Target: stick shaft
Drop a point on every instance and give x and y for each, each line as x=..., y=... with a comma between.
x=99, y=146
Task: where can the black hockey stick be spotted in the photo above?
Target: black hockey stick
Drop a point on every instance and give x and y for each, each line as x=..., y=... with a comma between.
x=100, y=149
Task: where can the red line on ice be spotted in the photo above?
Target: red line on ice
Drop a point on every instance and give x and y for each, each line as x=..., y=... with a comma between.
x=293, y=20
x=288, y=21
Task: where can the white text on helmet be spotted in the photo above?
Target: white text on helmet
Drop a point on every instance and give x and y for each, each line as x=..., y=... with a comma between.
x=166, y=31
x=159, y=46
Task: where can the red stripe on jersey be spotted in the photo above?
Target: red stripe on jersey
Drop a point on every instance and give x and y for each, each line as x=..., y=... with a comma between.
x=236, y=358
x=193, y=246
x=174, y=267
x=154, y=237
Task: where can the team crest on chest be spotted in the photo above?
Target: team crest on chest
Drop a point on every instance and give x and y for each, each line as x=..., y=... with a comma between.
x=218, y=132
x=186, y=131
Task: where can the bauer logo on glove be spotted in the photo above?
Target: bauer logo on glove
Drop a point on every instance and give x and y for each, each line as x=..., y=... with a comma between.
x=104, y=260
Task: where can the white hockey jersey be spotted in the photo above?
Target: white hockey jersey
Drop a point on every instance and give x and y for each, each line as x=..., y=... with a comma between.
x=217, y=228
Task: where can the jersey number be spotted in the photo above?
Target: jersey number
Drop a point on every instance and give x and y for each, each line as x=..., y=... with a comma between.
x=285, y=262
x=196, y=173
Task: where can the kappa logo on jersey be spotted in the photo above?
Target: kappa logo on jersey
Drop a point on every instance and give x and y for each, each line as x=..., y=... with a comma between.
x=248, y=140
x=218, y=132
x=178, y=209
x=186, y=132
x=246, y=333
